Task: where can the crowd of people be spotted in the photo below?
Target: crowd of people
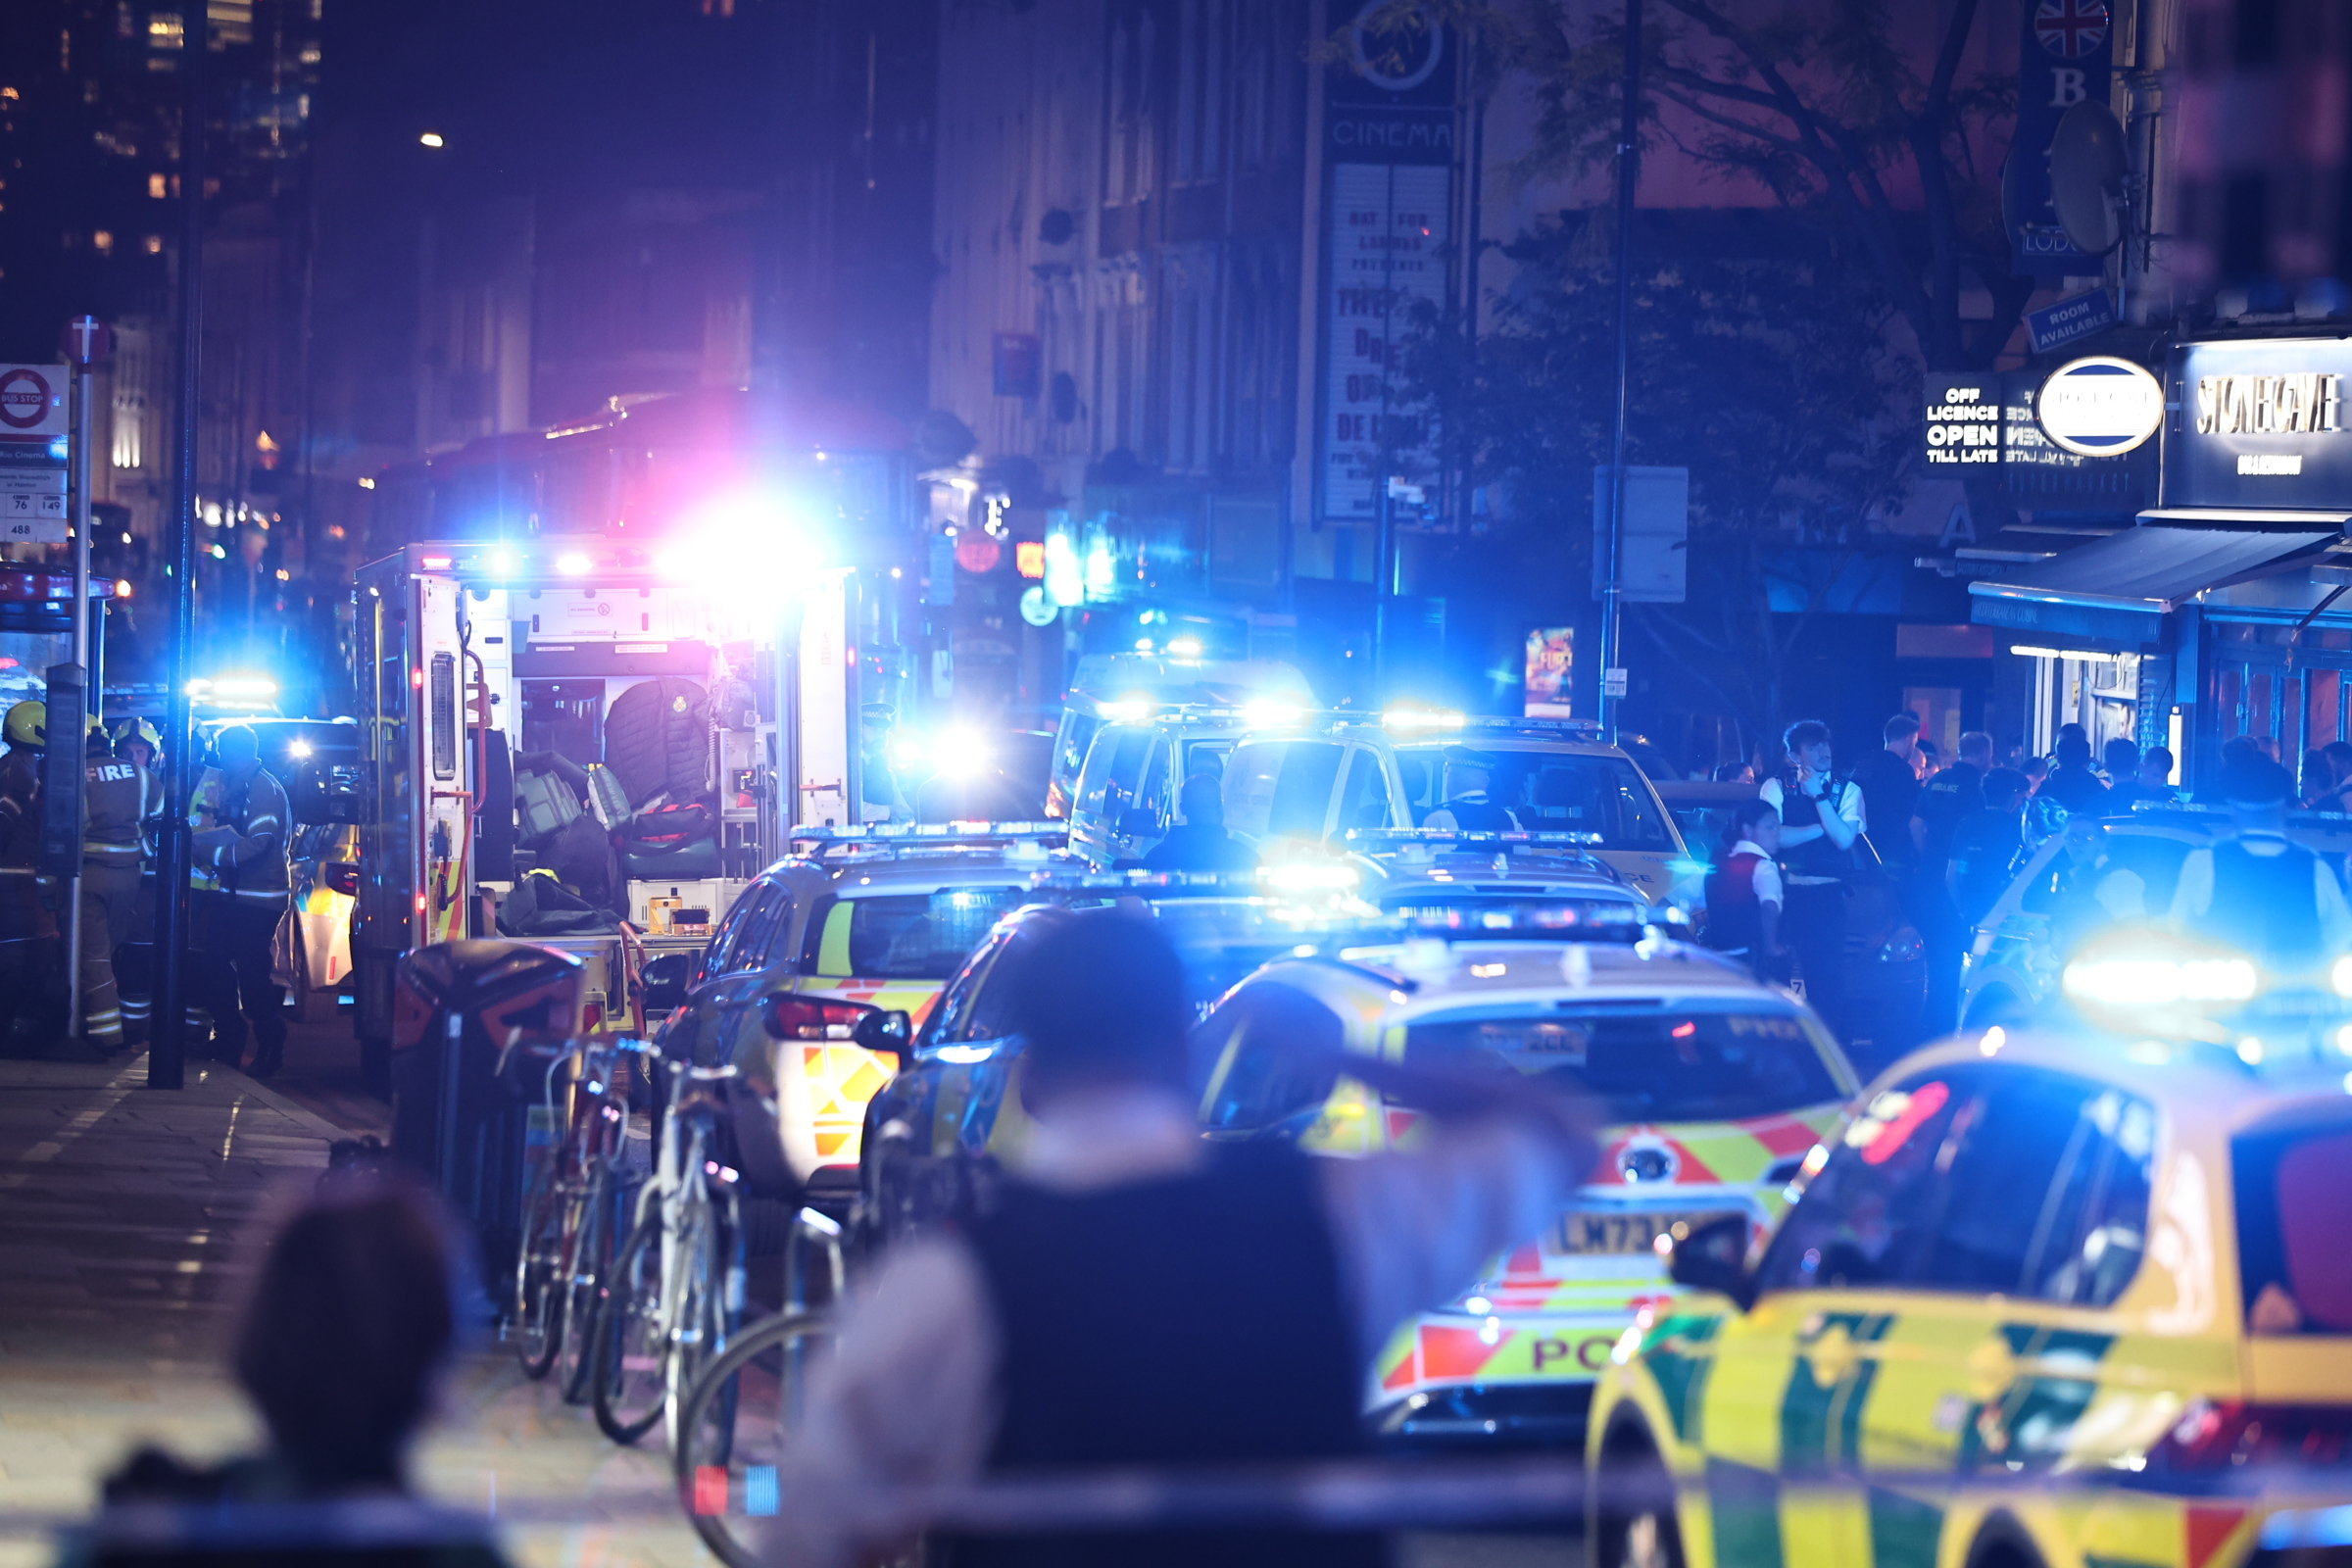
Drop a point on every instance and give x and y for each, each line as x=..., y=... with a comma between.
x=241, y=826
x=1951, y=838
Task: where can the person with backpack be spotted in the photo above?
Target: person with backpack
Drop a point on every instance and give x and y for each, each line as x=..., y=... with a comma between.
x=1744, y=894
x=1088, y=1319
x=2257, y=889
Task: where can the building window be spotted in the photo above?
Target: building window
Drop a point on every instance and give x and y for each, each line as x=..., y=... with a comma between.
x=158, y=187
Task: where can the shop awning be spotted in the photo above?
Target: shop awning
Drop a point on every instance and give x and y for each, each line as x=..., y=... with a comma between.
x=2118, y=588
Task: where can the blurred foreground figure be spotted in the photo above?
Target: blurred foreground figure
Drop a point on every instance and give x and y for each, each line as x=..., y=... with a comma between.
x=342, y=1349
x=1090, y=1319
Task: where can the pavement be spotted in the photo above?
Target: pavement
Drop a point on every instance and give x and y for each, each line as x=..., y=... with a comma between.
x=126, y=1219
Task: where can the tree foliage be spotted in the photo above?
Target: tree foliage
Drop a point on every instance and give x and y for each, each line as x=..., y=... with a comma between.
x=1762, y=368
x=1859, y=116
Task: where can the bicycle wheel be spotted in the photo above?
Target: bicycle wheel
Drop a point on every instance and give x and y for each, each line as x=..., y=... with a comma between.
x=604, y=1216
x=733, y=1422
x=710, y=1278
x=537, y=1327
x=630, y=1387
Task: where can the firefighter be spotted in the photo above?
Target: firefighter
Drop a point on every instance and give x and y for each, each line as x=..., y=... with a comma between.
x=115, y=799
x=241, y=819
x=137, y=743
x=28, y=957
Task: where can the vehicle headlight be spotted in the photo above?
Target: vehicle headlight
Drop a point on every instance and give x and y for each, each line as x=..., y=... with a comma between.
x=2149, y=982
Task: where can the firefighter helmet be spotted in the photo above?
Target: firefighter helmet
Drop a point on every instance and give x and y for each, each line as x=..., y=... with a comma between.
x=136, y=731
x=28, y=723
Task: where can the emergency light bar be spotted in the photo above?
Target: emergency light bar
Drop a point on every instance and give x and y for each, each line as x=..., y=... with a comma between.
x=930, y=835
x=1374, y=839
x=1236, y=884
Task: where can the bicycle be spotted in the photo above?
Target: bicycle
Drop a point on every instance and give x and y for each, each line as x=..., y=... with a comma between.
x=573, y=1212
x=676, y=1288
x=739, y=1412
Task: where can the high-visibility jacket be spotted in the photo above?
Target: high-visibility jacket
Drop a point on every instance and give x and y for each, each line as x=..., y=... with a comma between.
x=242, y=831
x=114, y=803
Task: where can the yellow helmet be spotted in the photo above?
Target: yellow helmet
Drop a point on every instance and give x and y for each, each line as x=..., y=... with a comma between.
x=137, y=730
x=28, y=723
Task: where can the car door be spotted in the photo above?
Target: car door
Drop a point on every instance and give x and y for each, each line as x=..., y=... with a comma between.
x=911, y=1148
x=2004, y=1341
x=1783, y=1382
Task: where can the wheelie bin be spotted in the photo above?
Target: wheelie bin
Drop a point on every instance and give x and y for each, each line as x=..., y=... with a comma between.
x=475, y=1026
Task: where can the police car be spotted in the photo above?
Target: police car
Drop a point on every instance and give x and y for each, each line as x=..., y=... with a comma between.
x=2041, y=1300
x=1714, y=1087
x=861, y=929
x=937, y=1134
x=2092, y=875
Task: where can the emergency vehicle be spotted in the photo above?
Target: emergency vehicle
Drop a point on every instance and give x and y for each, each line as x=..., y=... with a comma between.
x=1713, y=1086
x=858, y=921
x=2042, y=1301
x=478, y=658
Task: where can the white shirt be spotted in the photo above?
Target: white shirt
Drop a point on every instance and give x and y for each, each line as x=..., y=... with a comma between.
x=2193, y=894
x=908, y=1395
x=1767, y=877
x=1849, y=807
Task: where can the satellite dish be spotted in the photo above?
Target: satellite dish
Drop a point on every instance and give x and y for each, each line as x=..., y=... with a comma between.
x=2087, y=176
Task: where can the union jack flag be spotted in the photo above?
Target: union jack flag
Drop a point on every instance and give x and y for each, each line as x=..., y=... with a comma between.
x=2071, y=28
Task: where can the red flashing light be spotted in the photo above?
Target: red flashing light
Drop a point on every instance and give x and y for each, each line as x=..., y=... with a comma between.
x=416, y=678
x=1029, y=558
x=437, y=562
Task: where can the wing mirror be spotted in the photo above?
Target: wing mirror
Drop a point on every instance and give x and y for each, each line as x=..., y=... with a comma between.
x=789, y=1016
x=1140, y=822
x=1710, y=1255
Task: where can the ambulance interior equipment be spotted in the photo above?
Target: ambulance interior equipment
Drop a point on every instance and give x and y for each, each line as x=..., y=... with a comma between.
x=575, y=745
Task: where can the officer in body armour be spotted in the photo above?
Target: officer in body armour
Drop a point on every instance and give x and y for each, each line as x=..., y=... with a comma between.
x=2257, y=889
x=1821, y=816
x=1088, y=1319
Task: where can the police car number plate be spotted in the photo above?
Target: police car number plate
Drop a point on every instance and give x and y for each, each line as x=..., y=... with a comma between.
x=1603, y=1231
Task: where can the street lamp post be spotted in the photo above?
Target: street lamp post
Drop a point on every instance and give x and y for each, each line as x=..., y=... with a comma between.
x=1612, y=543
x=166, y=1054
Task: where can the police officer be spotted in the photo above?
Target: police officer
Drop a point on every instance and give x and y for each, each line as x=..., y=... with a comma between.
x=1821, y=816
x=241, y=821
x=114, y=803
x=30, y=963
x=2257, y=889
x=1117, y=1228
x=1470, y=810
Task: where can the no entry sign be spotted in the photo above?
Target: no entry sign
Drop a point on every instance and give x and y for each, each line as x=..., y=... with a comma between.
x=32, y=399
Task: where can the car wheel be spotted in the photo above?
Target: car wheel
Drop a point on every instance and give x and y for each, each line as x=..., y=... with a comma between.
x=1633, y=1523
x=1995, y=1006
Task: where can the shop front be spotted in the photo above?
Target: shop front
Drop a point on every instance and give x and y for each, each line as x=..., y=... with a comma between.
x=2226, y=609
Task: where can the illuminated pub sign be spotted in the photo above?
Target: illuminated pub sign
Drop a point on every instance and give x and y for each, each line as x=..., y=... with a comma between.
x=2259, y=423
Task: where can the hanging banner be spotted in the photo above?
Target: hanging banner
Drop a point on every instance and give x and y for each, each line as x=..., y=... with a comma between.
x=2064, y=59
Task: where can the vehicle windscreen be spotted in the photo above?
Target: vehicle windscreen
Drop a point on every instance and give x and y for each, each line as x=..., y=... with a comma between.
x=1648, y=1064
x=912, y=936
x=1555, y=792
x=1222, y=941
x=2102, y=877
x=2292, y=1262
x=1281, y=788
